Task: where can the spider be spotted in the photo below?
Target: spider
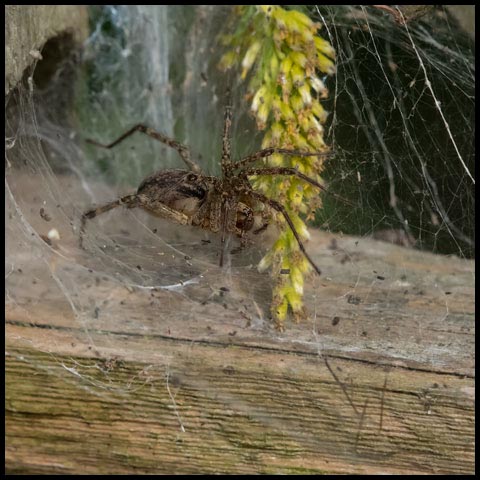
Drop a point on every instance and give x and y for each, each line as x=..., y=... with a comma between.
x=228, y=204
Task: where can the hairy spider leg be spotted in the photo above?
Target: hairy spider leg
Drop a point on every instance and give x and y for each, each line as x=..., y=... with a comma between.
x=292, y=171
x=267, y=152
x=226, y=166
x=224, y=215
x=280, y=208
x=226, y=147
x=94, y=212
x=134, y=201
x=182, y=150
x=228, y=216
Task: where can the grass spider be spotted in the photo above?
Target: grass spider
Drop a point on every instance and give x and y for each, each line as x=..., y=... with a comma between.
x=226, y=204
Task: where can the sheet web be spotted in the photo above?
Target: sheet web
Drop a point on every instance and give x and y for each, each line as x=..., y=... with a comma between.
x=127, y=247
x=401, y=126
x=403, y=119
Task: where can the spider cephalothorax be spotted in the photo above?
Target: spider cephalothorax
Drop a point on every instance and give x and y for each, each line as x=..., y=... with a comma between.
x=226, y=204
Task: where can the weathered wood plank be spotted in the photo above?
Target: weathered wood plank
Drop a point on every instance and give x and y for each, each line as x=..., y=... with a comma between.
x=249, y=403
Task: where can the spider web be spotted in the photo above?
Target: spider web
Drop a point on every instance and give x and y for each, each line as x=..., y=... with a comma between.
x=392, y=118
x=401, y=125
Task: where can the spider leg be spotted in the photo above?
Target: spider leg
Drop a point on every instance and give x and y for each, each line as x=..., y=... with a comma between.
x=215, y=215
x=292, y=171
x=280, y=208
x=159, y=209
x=267, y=152
x=228, y=222
x=127, y=200
x=212, y=216
x=132, y=201
x=182, y=150
x=226, y=161
x=224, y=217
x=200, y=219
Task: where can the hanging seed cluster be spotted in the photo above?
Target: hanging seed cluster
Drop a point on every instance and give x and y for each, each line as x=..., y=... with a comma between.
x=283, y=58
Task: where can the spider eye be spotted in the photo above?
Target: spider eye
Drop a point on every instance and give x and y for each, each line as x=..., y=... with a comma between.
x=191, y=177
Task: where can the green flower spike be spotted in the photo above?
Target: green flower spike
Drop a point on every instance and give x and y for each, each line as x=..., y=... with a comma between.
x=282, y=56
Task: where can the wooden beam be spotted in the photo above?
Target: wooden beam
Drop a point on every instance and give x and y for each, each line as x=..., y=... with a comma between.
x=379, y=379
